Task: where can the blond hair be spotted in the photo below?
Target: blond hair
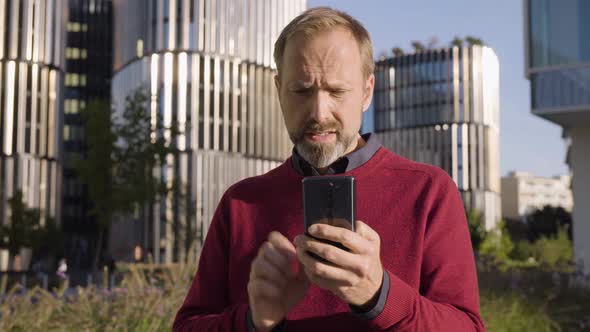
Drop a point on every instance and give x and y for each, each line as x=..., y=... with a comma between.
x=319, y=19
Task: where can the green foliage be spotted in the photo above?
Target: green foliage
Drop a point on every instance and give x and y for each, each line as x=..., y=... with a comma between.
x=95, y=169
x=141, y=148
x=473, y=41
x=507, y=312
x=554, y=252
x=123, y=154
x=523, y=251
x=397, y=51
x=418, y=46
x=24, y=225
x=547, y=221
x=457, y=42
x=497, y=244
x=146, y=301
x=477, y=229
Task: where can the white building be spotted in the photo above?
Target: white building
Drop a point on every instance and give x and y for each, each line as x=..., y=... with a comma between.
x=523, y=193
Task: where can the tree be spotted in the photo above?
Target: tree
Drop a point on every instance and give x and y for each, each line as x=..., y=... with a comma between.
x=397, y=51
x=142, y=149
x=473, y=41
x=546, y=222
x=96, y=169
x=554, y=251
x=122, y=154
x=418, y=46
x=497, y=244
x=432, y=43
x=24, y=222
x=477, y=229
x=457, y=42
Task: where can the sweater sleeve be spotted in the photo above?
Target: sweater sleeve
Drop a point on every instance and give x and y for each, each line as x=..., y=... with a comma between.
x=206, y=306
x=448, y=298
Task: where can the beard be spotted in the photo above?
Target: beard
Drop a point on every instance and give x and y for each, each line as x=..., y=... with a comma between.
x=321, y=155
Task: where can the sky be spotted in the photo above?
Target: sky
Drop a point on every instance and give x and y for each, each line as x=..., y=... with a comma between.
x=527, y=143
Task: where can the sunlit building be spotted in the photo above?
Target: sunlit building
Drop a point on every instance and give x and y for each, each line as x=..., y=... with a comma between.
x=32, y=45
x=523, y=193
x=208, y=66
x=557, y=35
x=441, y=107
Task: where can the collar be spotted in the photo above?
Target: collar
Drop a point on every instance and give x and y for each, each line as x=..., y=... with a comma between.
x=344, y=164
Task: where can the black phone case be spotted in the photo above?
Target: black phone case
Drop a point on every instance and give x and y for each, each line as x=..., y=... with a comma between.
x=329, y=200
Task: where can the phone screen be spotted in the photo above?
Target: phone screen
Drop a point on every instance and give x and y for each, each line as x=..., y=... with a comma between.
x=329, y=200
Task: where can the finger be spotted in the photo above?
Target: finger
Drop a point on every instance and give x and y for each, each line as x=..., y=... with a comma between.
x=266, y=270
x=260, y=287
x=270, y=253
x=366, y=231
x=316, y=271
x=282, y=244
x=338, y=257
x=351, y=240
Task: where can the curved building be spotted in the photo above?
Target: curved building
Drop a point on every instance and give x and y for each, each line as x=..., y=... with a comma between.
x=32, y=44
x=441, y=107
x=207, y=65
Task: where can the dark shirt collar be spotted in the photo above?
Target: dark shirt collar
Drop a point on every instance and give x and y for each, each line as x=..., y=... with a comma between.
x=344, y=164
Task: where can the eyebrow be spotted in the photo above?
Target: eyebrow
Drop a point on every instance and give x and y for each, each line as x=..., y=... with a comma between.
x=298, y=84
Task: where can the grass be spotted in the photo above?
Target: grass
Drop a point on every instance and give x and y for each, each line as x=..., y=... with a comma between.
x=150, y=296
x=146, y=301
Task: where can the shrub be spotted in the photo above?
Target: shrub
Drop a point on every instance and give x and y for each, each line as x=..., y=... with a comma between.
x=497, y=245
x=554, y=252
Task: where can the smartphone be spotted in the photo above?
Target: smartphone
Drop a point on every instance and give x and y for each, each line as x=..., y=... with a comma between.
x=329, y=200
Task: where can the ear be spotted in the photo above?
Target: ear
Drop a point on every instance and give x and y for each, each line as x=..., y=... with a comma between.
x=368, y=93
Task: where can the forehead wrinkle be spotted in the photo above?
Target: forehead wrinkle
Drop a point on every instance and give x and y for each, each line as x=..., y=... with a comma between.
x=321, y=64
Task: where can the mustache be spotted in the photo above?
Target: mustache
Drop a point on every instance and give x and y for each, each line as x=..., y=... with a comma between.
x=312, y=125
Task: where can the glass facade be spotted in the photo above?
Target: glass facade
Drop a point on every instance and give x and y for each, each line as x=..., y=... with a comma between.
x=441, y=107
x=564, y=88
x=32, y=40
x=88, y=54
x=207, y=64
x=558, y=57
x=558, y=32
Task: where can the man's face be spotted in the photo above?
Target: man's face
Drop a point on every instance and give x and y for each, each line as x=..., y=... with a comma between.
x=323, y=93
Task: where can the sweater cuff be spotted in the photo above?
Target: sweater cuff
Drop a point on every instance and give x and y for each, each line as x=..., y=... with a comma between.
x=399, y=304
x=250, y=324
x=379, y=305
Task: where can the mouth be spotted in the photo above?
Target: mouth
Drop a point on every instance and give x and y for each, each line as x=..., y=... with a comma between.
x=320, y=136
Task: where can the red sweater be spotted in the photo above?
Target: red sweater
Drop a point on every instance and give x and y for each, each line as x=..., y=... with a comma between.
x=425, y=249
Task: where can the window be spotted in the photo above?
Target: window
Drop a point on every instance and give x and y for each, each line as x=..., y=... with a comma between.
x=74, y=80
x=66, y=133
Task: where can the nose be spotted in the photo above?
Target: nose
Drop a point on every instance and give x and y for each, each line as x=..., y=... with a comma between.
x=320, y=108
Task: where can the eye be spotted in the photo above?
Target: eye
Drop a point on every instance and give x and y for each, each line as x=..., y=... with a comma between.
x=302, y=92
x=337, y=92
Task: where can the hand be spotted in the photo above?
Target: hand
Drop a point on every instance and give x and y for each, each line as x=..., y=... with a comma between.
x=274, y=286
x=354, y=276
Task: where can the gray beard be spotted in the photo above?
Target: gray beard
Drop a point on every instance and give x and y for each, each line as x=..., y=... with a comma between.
x=321, y=155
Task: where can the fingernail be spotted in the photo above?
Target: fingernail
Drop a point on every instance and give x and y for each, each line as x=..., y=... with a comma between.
x=312, y=228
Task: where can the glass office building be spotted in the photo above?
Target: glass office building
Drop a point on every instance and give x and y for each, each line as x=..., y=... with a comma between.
x=88, y=55
x=441, y=107
x=208, y=66
x=557, y=44
x=32, y=40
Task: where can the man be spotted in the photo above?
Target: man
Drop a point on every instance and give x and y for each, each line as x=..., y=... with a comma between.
x=410, y=264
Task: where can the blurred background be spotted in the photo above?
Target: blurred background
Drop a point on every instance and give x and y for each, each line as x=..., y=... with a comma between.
x=122, y=123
